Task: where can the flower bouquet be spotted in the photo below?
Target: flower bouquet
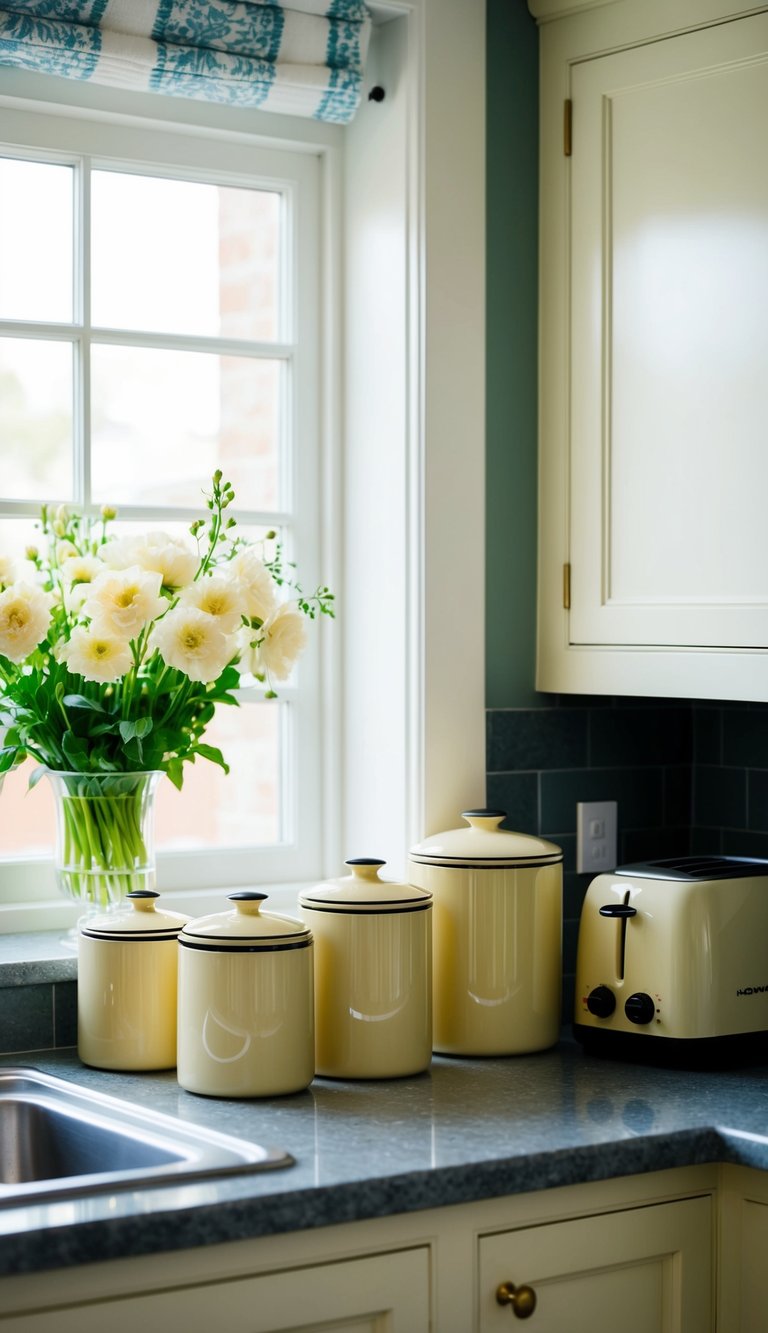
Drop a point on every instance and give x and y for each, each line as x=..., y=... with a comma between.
x=115, y=652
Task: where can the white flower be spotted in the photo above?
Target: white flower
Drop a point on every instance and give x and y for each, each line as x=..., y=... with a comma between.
x=96, y=656
x=81, y=568
x=158, y=552
x=257, y=584
x=191, y=641
x=25, y=614
x=64, y=550
x=284, y=638
x=122, y=602
x=7, y=571
x=219, y=597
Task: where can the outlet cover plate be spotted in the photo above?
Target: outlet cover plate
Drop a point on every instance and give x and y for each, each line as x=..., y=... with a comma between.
x=596, y=825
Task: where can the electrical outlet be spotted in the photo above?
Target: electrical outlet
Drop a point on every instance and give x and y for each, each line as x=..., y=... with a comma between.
x=596, y=823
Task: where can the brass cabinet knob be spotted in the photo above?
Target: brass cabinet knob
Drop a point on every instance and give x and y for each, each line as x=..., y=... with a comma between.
x=522, y=1299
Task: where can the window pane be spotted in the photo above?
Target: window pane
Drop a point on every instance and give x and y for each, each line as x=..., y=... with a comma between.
x=16, y=536
x=27, y=818
x=175, y=256
x=238, y=810
x=163, y=421
x=35, y=241
x=36, y=408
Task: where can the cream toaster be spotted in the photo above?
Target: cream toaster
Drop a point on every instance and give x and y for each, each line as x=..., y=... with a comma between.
x=674, y=953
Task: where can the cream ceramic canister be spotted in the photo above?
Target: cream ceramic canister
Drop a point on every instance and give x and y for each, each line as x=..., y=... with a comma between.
x=246, y=1003
x=373, y=974
x=126, y=986
x=497, y=936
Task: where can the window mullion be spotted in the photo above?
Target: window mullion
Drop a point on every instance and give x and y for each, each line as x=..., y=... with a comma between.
x=82, y=368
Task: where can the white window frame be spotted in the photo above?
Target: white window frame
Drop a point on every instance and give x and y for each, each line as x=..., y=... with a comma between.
x=403, y=672
x=90, y=144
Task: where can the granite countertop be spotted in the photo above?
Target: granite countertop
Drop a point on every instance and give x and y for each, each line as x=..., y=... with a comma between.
x=466, y=1130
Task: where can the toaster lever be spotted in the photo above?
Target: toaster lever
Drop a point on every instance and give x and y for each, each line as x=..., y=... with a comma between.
x=622, y=910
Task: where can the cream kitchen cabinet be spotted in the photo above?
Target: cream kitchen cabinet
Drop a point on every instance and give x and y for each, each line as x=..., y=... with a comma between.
x=382, y=1293
x=641, y=1246
x=647, y=1270
x=653, y=562
x=743, y=1291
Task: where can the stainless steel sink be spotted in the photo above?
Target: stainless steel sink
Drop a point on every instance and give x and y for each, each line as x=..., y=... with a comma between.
x=58, y=1139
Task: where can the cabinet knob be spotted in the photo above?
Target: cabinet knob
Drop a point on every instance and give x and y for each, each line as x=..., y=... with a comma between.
x=522, y=1299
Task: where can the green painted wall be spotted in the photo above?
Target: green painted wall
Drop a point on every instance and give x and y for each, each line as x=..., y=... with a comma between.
x=512, y=268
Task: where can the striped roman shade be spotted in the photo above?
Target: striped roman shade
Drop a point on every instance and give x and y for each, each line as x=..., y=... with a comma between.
x=301, y=58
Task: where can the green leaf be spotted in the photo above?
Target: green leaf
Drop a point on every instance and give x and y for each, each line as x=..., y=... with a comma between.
x=75, y=749
x=135, y=730
x=213, y=754
x=10, y=756
x=35, y=777
x=175, y=771
x=80, y=701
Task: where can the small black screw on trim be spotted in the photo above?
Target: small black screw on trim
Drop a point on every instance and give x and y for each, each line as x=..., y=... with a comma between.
x=377, y=94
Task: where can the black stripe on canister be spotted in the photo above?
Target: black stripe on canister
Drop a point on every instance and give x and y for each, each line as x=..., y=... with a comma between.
x=396, y=910
x=219, y=946
x=488, y=863
x=130, y=935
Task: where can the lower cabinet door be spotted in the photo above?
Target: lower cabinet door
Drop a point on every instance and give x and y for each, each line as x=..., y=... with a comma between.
x=383, y=1293
x=647, y=1270
x=751, y=1261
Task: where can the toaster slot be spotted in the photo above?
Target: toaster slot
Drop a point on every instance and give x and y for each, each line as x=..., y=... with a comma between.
x=620, y=913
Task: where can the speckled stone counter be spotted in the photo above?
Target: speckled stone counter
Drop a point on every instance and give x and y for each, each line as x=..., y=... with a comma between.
x=467, y=1130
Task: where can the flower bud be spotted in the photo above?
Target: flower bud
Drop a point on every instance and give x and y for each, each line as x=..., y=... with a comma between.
x=108, y=512
x=31, y=553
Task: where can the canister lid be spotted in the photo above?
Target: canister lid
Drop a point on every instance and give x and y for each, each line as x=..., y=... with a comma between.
x=364, y=891
x=484, y=843
x=138, y=919
x=245, y=927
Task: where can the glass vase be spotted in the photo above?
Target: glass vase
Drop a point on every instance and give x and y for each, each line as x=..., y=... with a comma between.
x=104, y=835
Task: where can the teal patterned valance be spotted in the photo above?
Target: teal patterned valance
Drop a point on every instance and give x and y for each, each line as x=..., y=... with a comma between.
x=302, y=57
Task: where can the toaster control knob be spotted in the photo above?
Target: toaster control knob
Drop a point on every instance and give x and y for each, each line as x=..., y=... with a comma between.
x=601, y=1002
x=640, y=1008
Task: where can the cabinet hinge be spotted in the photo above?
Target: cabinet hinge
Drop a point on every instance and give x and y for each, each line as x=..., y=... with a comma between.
x=567, y=126
x=567, y=587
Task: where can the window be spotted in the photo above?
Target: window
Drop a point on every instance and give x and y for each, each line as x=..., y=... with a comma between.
x=402, y=297
x=159, y=316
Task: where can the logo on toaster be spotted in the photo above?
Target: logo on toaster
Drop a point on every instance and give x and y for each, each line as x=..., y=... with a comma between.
x=753, y=990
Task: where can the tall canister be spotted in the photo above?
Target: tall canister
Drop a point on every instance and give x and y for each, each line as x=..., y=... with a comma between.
x=373, y=974
x=245, y=1002
x=497, y=936
x=126, y=986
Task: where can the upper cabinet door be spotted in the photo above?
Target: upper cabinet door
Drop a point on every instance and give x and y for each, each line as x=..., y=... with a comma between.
x=654, y=409
x=669, y=288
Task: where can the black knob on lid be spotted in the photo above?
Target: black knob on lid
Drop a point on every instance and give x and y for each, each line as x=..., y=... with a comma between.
x=640, y=1008
x=601, y=1002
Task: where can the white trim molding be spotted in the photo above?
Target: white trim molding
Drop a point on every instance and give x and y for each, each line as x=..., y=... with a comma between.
x=415, y=419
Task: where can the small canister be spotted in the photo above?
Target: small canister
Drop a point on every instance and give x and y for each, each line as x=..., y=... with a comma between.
x=497, y=944
x=126, y=986
x=246, y=1003
x=373, y=974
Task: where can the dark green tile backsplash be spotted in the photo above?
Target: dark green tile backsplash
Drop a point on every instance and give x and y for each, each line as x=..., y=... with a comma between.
x=687, y=776
x=38, y=1017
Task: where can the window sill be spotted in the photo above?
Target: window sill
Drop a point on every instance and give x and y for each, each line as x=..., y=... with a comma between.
x=35, y=959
